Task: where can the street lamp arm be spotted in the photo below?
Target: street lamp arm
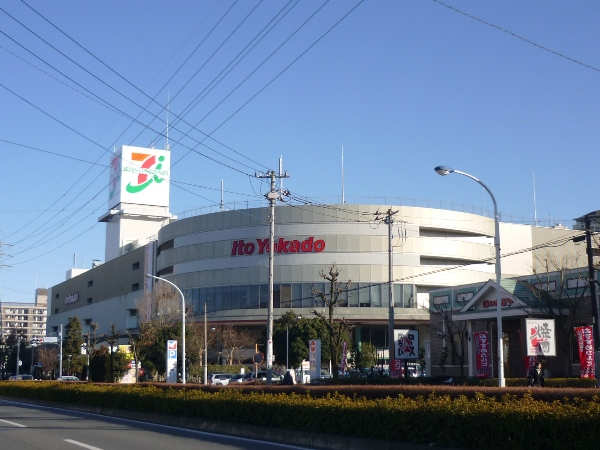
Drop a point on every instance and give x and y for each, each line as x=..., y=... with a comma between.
x=183, y=377
x=445, y=170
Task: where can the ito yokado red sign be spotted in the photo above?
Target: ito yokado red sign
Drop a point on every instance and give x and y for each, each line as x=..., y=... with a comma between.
x=261, y=246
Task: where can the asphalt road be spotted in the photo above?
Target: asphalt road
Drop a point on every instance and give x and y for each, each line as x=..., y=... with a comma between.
x=28, y=427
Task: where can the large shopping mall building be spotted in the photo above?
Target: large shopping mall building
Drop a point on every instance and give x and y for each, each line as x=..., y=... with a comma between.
x=221, y=258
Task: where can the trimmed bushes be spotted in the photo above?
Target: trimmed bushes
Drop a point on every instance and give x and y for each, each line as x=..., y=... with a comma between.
x=491, y=418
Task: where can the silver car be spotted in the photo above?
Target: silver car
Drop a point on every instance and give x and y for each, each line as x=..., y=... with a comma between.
x=220, y=378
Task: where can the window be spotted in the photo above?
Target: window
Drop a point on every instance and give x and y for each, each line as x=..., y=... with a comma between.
x=464, y=296
x=218, y=296
x=550, y=286
x=135, y=287
x=90, y=283
x=285, y=296
x=576, y=283
x=244, y=296
x=254, y=296
x=55, y=310
x=135, y=266
x=56, y=296
x=364, y=300
x=226, y=298
x=264, y=296
x=88, y=322
x=89, y=300
x=375, y=292
x=297, y=295
x=441, y=300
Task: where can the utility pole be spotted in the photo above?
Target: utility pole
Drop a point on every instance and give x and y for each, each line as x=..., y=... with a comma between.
x=18, y=354
x=273, y=195
x=60, y=339
x=87, y=350
x=389, y=220
x=592, y=281
x=205, y=374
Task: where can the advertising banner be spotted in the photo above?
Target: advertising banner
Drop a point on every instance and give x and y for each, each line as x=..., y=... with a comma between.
x=540, y=337
x=314, y=358
x=585, y=343
x=396, y=369
x=406, y=344
x=483, y=366
x=172, y=361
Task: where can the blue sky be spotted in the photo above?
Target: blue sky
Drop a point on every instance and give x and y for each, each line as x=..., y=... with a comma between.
x=403, y=85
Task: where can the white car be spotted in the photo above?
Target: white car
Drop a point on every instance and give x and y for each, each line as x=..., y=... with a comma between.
x=220, y=378
x=67, y=378
x=237, y=378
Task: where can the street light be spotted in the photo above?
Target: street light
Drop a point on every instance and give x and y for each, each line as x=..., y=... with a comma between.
x=445, y=170
x=182, y=323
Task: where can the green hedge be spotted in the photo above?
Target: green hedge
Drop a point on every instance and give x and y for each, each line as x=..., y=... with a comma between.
x=464, y=381
x=476, y=421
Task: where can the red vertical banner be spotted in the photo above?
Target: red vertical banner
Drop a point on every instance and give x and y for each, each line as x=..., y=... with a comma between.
x=482, y=354
x=585, y=343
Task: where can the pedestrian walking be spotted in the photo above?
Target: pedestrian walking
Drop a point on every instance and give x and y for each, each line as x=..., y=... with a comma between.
x=536, y=376
x=288, y=379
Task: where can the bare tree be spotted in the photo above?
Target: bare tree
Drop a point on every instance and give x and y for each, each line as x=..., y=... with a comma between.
x=161, y=307
x=452, y=332
x=338, y=331
x=195, y=341
x=47, y=356
x=562, y=294
x=233, y=339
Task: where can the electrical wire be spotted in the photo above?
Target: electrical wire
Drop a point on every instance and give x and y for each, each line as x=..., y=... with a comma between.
x=528, y=41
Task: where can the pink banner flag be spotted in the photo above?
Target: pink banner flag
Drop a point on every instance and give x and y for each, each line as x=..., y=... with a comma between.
x=585, y=343
x=482, y=354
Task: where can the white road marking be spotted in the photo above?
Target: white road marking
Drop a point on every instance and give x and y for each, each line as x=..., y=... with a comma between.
x=81, y=444
x=13, y=423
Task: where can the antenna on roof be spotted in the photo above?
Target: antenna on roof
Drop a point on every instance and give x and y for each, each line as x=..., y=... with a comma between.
x=535, y=221
x=343, y=198
x=221, y=204
x=281, y=173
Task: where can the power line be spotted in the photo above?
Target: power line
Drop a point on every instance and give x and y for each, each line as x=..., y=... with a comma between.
x=152, y=100
x=535, y=44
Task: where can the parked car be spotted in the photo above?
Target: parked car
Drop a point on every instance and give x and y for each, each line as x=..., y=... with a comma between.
x=68, y=378
x=220, y=378
x=276, y=378
x=237, y=378
x=303, y=376
x=20, y=378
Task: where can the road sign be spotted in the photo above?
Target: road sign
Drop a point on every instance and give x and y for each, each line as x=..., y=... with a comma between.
x=258, y=358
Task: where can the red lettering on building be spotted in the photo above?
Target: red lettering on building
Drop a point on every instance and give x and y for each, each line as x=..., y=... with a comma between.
x=493, y=303
x=308, y=245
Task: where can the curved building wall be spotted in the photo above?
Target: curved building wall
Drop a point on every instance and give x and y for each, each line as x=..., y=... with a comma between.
x=216, y=258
